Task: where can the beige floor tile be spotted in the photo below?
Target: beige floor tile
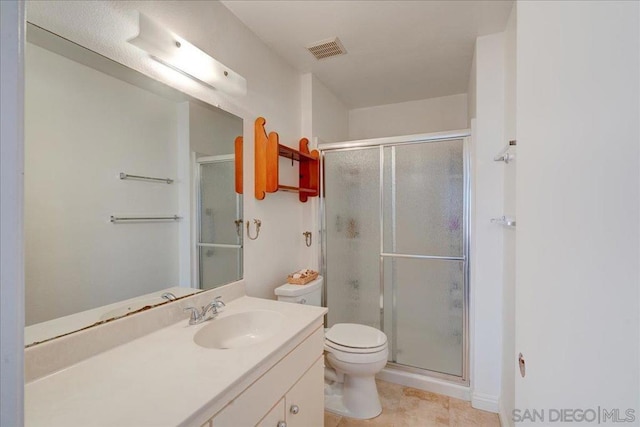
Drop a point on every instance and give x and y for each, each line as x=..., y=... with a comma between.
x=422, y=408
x=409, y=407
x=463, y=415
x=331, y=420
x=390, y=395
x=380, y=421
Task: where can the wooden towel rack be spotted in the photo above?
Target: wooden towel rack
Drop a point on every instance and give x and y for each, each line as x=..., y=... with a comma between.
x=267, y=152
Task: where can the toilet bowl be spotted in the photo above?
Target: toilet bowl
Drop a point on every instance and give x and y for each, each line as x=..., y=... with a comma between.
x=354, y=354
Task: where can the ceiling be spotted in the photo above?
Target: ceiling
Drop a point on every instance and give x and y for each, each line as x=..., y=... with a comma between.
x=396, y=50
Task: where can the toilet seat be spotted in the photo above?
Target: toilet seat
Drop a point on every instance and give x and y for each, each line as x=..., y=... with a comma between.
x=329, y=345
x=355, y=338
x=358, y=358
x=355, y=343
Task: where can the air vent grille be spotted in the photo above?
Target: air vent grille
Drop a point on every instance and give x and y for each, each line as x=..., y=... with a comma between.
x=327, y=48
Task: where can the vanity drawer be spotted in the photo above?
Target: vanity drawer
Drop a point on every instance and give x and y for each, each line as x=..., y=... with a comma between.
x=274, y=416
x=259, y=398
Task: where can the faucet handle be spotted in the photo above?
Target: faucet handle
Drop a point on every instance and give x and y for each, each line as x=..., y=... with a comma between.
x=217, y=301
x=196, y=317
x=169, y=296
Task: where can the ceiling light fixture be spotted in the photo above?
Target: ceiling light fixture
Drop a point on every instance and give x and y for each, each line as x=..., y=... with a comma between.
x=173, y=51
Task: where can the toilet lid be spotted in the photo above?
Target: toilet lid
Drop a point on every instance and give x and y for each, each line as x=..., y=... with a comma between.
x=356, y=336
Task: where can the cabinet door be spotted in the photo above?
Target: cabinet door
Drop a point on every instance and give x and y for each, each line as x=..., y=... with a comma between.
x=274, y=416
x=251, y=405
x=305, y=400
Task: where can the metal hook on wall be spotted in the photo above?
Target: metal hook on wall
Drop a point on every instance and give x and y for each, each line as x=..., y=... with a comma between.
x=258, y=223
x=307, y=238
x=238, y=223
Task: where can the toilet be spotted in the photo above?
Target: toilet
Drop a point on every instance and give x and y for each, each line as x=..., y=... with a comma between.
x=354, y=354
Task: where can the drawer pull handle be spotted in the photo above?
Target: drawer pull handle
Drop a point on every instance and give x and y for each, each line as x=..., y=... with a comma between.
x=294, y=409
x=282, y=424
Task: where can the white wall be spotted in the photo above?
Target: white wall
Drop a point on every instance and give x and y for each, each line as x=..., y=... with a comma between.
x=408, y=118
x=487, y=238
x=324, y=119
x=509, y=365
x=82, y=128
x=472, y=90
x=330, y=118
x=273, y=92
x=11, y=197
x=578, y=204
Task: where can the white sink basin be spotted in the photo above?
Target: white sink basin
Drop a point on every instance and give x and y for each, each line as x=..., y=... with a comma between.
x=239, y=330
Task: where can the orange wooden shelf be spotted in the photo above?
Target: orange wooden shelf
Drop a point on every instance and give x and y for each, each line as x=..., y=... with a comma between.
x=268, y=150
x=238, y=165
x=295, y=189
x=295, y=155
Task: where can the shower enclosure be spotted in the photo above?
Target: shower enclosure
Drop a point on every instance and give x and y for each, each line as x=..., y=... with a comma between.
x=395, y=246
x=219, y=231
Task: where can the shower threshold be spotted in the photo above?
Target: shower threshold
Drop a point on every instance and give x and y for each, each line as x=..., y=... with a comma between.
x=422, y=379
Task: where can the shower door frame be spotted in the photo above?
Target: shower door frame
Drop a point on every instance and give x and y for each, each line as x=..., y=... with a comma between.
x=381, y=143
x=199, y=162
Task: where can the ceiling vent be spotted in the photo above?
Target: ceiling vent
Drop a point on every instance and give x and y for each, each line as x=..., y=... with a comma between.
x=327, y=48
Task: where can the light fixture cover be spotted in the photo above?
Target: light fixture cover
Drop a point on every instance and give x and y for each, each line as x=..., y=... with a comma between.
x=177, y=53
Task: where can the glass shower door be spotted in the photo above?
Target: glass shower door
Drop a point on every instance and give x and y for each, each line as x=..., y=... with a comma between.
x=220, y=227
x=423, y=255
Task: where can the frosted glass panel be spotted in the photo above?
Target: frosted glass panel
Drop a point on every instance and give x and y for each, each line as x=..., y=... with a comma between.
x=352, y=191
x=218, y=204
x=423, y=198
x=219, y=266
x=428, y=316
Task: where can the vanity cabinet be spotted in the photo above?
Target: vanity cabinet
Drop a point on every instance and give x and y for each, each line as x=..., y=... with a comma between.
x=303, y=405
x=290, y=393
x=275, y=416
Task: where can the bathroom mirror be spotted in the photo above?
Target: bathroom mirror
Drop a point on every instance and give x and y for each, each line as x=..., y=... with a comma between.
x=129, y=190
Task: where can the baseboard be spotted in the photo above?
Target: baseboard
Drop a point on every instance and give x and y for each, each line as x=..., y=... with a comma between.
x=422, y=382
x=485, y=402
x=505, y=419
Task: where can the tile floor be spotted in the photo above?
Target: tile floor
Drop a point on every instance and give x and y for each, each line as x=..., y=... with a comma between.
x=409, y=407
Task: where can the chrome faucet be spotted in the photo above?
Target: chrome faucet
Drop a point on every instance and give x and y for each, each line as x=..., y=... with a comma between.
x=199, y=316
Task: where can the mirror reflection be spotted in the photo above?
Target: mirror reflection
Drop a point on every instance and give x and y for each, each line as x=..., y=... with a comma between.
x=97, y=246
x=219, y=206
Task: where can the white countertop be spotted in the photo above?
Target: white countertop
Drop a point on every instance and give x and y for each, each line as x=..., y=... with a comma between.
x=164, y=378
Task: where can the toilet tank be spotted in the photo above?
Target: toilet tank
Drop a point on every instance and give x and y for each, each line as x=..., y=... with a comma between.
x=310, y=294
